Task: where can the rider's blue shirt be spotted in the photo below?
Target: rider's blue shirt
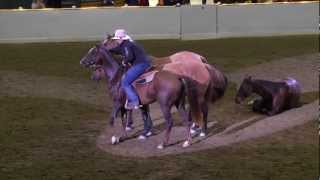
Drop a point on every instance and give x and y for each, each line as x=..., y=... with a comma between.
x=133, y=53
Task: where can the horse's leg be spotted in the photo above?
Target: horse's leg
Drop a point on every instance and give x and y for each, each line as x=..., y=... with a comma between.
x=187, y=122
x=123, y=114
x=169, y=123
x=147, y=122
x=124, y=121
x=116, y=108
x=129, y=122
x=258, y=106
x=205, y=110
x=113, y=115
x=200, y=120
x=277, y=104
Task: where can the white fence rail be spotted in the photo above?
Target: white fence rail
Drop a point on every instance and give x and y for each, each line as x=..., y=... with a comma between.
x=186, y=22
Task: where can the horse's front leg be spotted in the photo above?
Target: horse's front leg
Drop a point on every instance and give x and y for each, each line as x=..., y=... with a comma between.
x=124, y=122
x=113, y=116
x=169, y=123
x=259, y=106
x=114, y=138
x=129, y=121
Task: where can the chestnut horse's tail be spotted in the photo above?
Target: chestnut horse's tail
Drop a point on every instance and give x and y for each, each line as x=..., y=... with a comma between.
x=218, y=84
x=192, y=98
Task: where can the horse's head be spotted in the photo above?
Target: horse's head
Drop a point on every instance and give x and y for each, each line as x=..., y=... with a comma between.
x=98, y=74
x=245, y=90
x=92, y=57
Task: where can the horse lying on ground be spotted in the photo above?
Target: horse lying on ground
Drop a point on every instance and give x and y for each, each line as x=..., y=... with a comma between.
x=275, y=96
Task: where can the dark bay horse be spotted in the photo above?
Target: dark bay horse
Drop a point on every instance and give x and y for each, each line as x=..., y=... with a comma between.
x=166, y=88
x=275, y=96
x=158, y=63
x=215, y=90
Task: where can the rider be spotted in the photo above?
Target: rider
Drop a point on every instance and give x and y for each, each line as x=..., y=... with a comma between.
x=135, y=56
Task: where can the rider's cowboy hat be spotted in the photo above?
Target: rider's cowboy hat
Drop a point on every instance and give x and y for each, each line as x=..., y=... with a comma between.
x=121, y=34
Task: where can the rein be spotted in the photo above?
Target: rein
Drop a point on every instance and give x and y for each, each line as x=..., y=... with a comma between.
x=114, y=78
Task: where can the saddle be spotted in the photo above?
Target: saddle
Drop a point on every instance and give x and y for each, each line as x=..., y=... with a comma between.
x=146, y=77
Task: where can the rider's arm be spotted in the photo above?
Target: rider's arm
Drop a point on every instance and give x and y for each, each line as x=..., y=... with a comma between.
x=128, y=55
x=116, y=50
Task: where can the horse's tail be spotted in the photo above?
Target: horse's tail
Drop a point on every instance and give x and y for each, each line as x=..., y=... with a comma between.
x=294, y=91
x=192, y=97
x=217, y=85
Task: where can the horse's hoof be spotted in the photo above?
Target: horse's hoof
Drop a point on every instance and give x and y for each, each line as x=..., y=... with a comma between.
x=192, y=131
x=251, y=102
x=114, y=140
x=142, y=137
x=160, y=146
x=202, y=134
x=186, y=144
x=128, y=128
x=149, y=134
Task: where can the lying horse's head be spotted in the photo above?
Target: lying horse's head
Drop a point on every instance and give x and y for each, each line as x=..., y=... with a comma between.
x=245, y=90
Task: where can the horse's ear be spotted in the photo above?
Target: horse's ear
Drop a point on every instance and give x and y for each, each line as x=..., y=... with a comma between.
x=98, y=45
x=248, y=77
x=109, y=36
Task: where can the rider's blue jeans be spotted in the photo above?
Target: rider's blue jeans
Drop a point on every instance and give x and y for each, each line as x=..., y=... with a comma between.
x=131, y=75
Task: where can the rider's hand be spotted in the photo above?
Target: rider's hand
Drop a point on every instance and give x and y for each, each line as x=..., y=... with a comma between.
x=124, y=63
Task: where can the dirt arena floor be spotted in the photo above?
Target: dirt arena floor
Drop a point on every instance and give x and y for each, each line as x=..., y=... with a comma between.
x=303, y=68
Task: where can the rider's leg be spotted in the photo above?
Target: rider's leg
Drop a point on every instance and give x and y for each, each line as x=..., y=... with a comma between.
x=131, y=75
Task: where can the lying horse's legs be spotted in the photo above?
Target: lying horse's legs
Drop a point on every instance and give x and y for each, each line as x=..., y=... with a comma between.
x=258, y=106
x=169, y=123
x=277, y=103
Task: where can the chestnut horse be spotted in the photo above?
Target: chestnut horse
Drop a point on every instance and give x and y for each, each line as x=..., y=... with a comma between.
x=275, y=96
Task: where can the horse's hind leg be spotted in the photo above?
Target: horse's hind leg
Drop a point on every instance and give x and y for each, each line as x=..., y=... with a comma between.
x=205, y=110
x=277, y=105
x=147, y=122
x=187, y=122
x=169, y=123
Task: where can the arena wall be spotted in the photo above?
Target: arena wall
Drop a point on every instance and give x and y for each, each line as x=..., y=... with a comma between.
x=185, y=22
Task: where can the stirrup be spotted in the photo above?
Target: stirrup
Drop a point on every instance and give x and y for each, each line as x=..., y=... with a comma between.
x=130, y=107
